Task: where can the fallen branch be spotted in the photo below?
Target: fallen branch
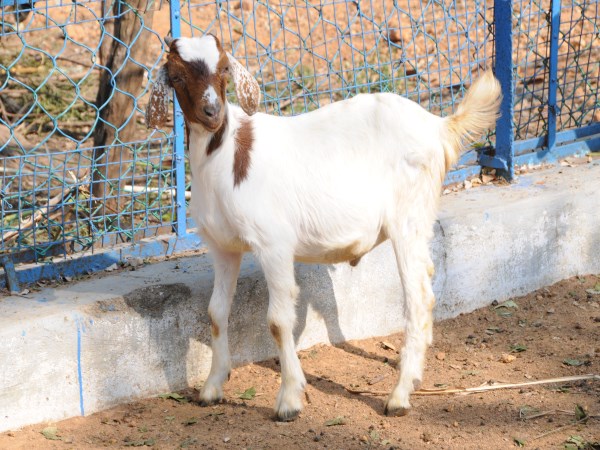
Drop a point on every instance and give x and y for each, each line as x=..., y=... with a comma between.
x=484, y=388
x=44, y=211
x=171, y=191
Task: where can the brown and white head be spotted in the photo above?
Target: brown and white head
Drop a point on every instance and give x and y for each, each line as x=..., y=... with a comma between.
x=198, y=70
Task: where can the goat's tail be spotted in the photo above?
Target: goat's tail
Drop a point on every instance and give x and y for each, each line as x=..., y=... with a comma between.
x=476, y=114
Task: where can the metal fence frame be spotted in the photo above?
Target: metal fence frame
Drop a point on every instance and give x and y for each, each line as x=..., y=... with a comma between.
x=504, y=156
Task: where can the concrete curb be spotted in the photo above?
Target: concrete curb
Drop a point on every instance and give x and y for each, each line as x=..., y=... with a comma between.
x=90, y=345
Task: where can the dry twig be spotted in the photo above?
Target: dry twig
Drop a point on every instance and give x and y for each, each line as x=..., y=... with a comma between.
x=485, y=387
x=556, y=430
x=46, y=210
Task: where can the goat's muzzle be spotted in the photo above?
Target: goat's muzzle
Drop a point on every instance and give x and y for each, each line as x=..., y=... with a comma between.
x=211, y=116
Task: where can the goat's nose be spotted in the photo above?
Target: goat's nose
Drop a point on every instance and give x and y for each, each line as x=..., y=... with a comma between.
x=211, y=110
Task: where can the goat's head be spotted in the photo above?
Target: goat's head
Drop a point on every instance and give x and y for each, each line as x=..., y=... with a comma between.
x=198, y=69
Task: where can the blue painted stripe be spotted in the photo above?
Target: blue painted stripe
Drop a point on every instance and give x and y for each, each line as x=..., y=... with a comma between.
x=79, y=371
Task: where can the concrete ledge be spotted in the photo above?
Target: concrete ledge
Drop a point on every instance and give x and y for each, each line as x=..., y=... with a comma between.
x=90, y=345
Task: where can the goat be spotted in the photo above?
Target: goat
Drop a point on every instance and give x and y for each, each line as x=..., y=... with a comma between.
x=322, y=187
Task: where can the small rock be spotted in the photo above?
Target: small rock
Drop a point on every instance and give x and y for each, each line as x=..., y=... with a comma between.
x=11, y=434
x=487, y=178
x=446, y=191
x=507, y=358
x=467, y=184
x=550, y=311
x=455, y=424
x=539, y=297
x=426, y=437
x=226, y=439
x=135, y=262
x=111, y=267
x=440, y=356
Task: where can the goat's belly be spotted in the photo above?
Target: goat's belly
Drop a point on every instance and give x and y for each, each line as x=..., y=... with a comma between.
x=223, y=238
x=347, y=252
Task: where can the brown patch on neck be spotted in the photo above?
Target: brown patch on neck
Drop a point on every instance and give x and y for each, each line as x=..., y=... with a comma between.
x=217, y=138
x=244, y=138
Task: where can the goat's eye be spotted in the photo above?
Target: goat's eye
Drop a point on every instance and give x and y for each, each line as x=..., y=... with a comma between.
x=177, y=79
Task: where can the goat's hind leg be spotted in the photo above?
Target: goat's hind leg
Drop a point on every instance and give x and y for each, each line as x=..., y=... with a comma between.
x=416, y=269
x=227, y=268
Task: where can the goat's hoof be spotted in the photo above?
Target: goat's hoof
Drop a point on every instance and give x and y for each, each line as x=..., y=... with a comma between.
x=287, y=416
x=396, y=412
x=210, y=402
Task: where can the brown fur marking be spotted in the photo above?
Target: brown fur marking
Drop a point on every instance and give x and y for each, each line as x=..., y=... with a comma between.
x=217, y=138
x=214, y=329
x=276, y=333
x=244, y=138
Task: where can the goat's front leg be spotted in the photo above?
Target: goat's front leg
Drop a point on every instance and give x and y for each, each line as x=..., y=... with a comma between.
x=281, y=317
x=227, y=269
x=416, y=269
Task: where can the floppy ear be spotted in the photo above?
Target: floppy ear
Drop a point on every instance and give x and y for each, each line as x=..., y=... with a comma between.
x=157, y=111
x=246, y=87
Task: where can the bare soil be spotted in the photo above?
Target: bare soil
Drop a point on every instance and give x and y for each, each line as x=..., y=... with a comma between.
x=553, y=332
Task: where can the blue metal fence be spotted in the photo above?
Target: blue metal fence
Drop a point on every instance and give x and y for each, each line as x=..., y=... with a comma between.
x=55, y=54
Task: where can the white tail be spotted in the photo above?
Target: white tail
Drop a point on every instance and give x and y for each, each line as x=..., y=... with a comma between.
x=476, y=114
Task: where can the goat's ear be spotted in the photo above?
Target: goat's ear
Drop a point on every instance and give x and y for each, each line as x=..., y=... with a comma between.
x=246, y=87
x=157, y=111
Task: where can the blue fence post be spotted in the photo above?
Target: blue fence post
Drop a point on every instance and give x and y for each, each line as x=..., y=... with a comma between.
x=9, y=273
x=553, y=69
x=503, y=12
x=179, y=131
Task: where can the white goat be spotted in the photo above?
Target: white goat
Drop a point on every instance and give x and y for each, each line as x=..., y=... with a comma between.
x=322, y=187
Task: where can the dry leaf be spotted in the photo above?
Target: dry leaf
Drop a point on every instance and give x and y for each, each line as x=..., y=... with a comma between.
x=388, y=346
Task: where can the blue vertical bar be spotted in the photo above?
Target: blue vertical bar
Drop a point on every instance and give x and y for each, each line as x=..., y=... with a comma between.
x=553, y=86
x=12, y=281
x=179, y=131
x=503, y=11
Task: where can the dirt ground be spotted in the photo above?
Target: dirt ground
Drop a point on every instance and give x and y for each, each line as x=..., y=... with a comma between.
x=554, y=332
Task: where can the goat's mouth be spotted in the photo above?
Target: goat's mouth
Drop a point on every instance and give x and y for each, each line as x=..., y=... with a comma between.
x=211, y=125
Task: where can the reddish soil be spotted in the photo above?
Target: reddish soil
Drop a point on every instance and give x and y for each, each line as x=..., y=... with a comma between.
x=554, y=332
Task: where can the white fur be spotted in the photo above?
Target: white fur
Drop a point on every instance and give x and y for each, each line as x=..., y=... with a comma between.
x=327, y=187
x=204, y=48
x=210, y=95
